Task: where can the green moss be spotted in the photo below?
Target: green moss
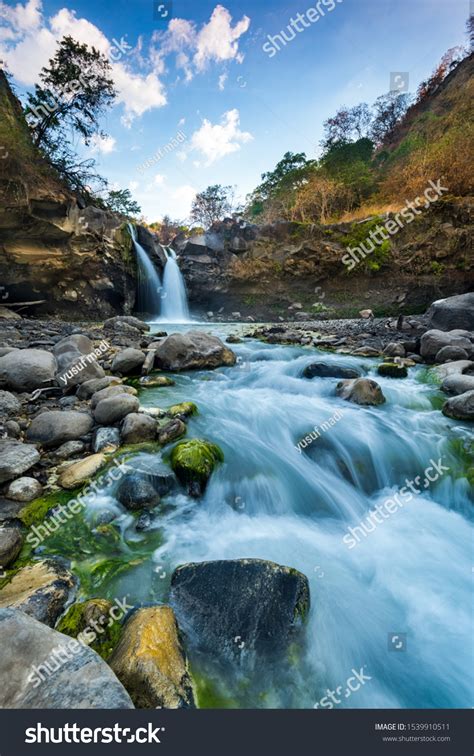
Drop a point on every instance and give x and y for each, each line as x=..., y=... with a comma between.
x=195, y=460
x=209, y=695
x=392, y=370
x=187, y=409
x=359, y=233
x=79, y=617
x=36, y=511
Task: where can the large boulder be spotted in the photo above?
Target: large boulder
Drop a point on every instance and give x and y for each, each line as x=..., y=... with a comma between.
x=434, y=340
x=460, y=407
x=193, y=350
x=109, y=391
x=27, y=369
x=329, y=370
x=24, y=489
x=458, y=384
x=41, y=589
x=361, y=391
x=137, y=428
x=453, y=312
x=229, y=606
x=54, y=427
x=459, y=367
x=150, y=662
x=450, y=354
x=128, y=361
x=194, y=461
x=44, y=669
x=115, y=408
x=16, y=458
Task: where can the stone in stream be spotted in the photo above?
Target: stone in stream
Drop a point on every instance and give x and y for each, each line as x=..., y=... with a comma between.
x=54, y=427
x=11, y=541
x=451, y=353
x=329, y=370
x=194, y=461
x=106, y=439
x=453, y=312
x=9, y=404
x=433, y=341
x=47, y=670
x=149, y=362
x=80, y=472
x=41, y=590
x=363, y=391
x=128, y=361
x=27, y=369
x=155, y=381
x=115, y=408
x=392, y=370
x=135, y=492
x=171, y=431
x=137, y=428
x=16, y=458
x=395, y=349
x=259, y=602
x=460, y=407
x=192, y=350
x=185, y=409
x=24, y=489
x=150, y=662
x=458, y=384
x=459, y=367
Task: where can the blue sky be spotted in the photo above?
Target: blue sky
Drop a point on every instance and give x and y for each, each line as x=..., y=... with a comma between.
x=201, y=70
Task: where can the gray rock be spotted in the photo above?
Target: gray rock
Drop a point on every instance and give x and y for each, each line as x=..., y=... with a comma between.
x=453, y=312
x=24, y=489
x=193, y=350
x=451, y=353
x=458, y=384
x=16, y=458
x=115, y=408
x=137, y=428
x=128, y=361
x=45, y=669
x=171, y=431
x=329, y=370
x=458, y=367
x=109, y=391
x=88, y=388
x=136, y=492
x=261, y=602
x=105, y=438
x=363, y=391
x=27, y=369
x=75, y=343
x=13, y=429
x=69, y=449
x=9, y=404
x=394, y=349
x=11, y=541
x=432, y=341
x=54, y=427
x=41, y=590
x=117, y=323
x=460, y=407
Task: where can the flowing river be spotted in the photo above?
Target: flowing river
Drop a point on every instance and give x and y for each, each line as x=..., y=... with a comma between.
x=397, y=603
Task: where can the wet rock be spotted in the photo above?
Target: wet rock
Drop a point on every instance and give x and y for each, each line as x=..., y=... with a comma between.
x=459, y=367
x=433, y=341
x=232, y=338
x=24, y=489
x=185, y=409
x=115, y=408
x=460, y=407
x=27, y=369
x=149, y=362
x=392, y=370
x=361, y=391
x=458, y=384
x=194, y=462
x=453, y=312
x=80, y=472
x=83, y=616
x=193, y=350
x=69, y=449
x=171, y=431
x=150, y=662
x=88, y=388
x=394, y=349
x=450, y=354
x=40, y=590
x=16, y=458
x=261, y=602
x=76, y=677
x=9, y=404
x=11, y=541
x=136, y=492
x=329, y=370
x=137, y=428
x=155, y=381
x=109, y=391
x=106, y=440
x=128, y=361
x=53, y=427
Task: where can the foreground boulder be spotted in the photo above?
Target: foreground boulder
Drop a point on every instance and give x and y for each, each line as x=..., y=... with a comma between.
x=193, y=350
x=194, y=461
x=458, y=384
x=135, y=491
x=453, y=312
x=128, y=361
x=329, y=370
x=47, y=670
x=362, y=391
x=460, y=407
x=137, y=428
x=40, y=590
x=115, y=408
x=150, y=662
x=238, y=606
x=54, y=427
x=24, y=489
x=16, y=458
x=27, y=369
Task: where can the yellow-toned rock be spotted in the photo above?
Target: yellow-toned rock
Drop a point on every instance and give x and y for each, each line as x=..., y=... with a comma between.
x=41, y=590
x=150, y=662
x=82, y=471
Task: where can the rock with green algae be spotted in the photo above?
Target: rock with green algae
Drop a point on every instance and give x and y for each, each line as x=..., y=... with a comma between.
x=194, y=462
x=185, y=409
x=155, y=381
x=392, y=370
x=82, y=618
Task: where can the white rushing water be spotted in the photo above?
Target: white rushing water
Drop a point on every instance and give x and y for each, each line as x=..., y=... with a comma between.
x=411, y=575
x=149, y=284
x=174, y=300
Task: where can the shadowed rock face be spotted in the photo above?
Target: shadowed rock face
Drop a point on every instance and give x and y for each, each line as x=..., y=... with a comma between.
x=76, y=677
x=453, y=312
x=239, y=609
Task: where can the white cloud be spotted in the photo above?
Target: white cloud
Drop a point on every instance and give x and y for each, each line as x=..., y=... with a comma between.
x=133, y=185
x=218, y=39
x=222, y=81
x=159, y=179
x=216, y=141
x=103, y=144
x=182, y=200
x=181, y=155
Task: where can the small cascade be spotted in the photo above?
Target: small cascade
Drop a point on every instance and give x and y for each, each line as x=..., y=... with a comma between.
x=174, y=300
x=149, y=285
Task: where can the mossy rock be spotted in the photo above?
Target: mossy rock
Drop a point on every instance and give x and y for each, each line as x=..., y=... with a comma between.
x=81, y=618
x=155, y=381
x=194, y=461
x=392, y=370
x=186, y=409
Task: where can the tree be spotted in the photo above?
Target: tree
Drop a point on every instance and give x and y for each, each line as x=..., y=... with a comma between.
x=347, y=125
x=212, y=205
x=75, y=90
x=120, y=201
x=275, y=196
x=389, y=109
x=450, y=60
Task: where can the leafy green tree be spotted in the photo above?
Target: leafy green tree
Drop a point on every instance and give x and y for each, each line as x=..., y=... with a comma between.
x=276, y=195
x=212, y=205
x=389, y=110
x=347, y=125
x=121, y=201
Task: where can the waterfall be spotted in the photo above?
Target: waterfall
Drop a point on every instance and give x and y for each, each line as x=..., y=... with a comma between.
x=174, y=301
x=149, y=285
